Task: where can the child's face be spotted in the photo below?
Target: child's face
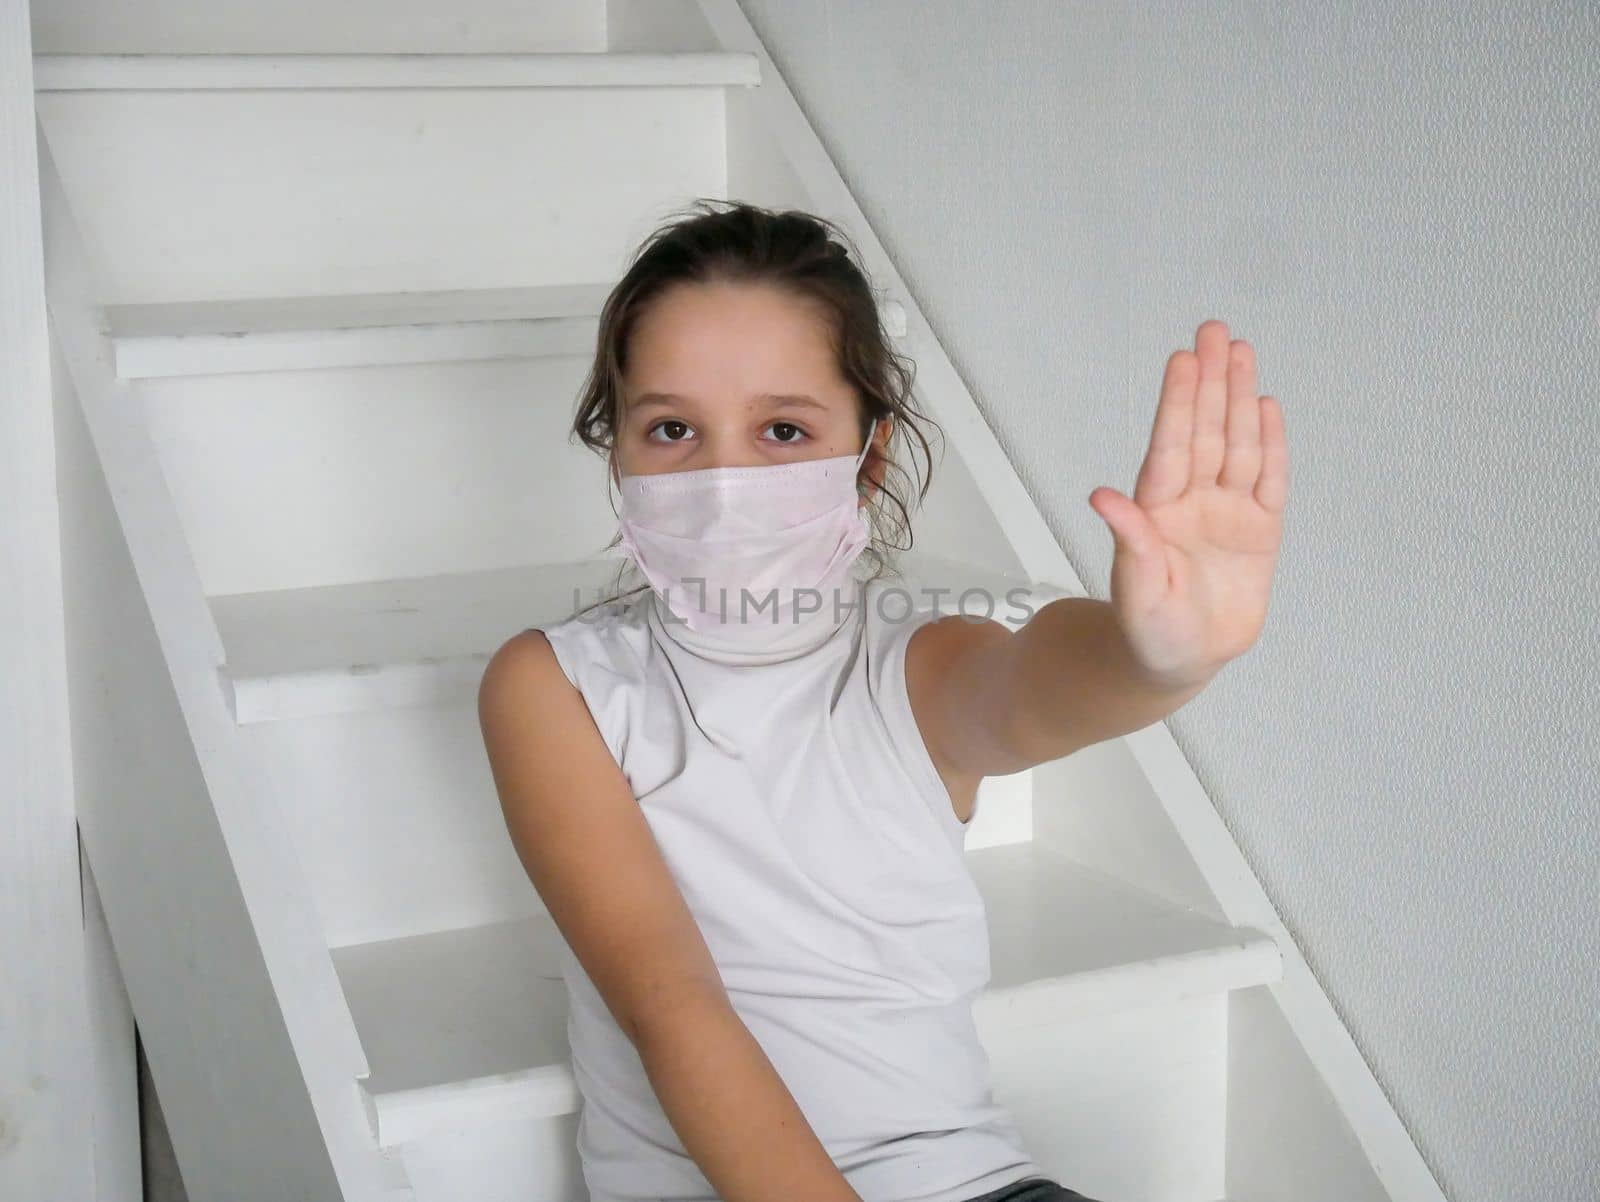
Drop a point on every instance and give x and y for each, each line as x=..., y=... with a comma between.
x=732, y=375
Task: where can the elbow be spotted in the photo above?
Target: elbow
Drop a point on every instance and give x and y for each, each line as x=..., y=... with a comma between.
x=682, y=1015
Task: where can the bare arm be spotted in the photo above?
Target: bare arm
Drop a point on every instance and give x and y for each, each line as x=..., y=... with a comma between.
x=1196, y=548
x=590, y=853
x=990, y=700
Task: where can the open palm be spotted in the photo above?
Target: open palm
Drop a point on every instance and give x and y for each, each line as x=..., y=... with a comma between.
x=1197, y=546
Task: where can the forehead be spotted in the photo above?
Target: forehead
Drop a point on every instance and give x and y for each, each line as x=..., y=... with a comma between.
x=751, y=334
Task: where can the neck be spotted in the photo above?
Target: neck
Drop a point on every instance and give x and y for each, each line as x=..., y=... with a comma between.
x=760, y=639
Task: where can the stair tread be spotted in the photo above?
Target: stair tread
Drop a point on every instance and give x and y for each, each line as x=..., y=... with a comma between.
x=423, y=640
x=467, y=1023
x=182, y=338
x=233, y=317
x=565, y=69
x=283, y=632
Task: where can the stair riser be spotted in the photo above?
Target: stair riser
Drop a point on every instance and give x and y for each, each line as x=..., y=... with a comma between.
x=323, y=477
x=399, y=829
x=375, y=190
x=395, y=26
x=1126, y=1106
x=396, y=820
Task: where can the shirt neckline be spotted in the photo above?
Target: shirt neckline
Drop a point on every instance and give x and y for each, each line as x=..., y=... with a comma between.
x=763, y=641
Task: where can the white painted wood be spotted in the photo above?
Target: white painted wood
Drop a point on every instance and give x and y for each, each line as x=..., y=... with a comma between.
x=252, y=317
x=1383, y=1140
x=115, y=1151
x=1003, y=812
x=1286, y=1137
x=305, y=332
x=398, y=828
x=313, y=26
x=50, y=1084
x=399, y=832
x=324, y=477
x=294, y=653
x=461, y=1027
x=218, y=941
x=301, y=652
x=394, y=818
x=295, y=72
x=1066, y=941
x=328, y=477
x=1100, y=804
x=377, y=190
x=297, y=350
x=656, y=25
x=1128, y=1105
x=347, y=473
x=469, y=1026
x=508, y=1161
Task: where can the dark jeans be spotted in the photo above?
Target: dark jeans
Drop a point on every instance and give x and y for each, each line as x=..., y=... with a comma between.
x=1033, y=1189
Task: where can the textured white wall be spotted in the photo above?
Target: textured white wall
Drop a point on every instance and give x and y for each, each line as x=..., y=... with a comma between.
x=1395, y=204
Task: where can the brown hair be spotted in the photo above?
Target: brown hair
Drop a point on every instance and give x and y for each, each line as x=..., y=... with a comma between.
x=806, y=256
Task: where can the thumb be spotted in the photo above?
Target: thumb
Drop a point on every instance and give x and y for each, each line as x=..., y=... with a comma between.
x=1130, y=527
x=1138, y=565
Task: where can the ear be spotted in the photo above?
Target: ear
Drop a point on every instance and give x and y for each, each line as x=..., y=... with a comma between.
x=877, y=461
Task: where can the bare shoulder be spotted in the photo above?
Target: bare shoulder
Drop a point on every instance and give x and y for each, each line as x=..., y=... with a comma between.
x=541, y=739
x=523, y=668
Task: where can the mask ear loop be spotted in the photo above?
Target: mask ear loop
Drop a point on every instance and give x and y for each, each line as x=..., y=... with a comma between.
x=862, y=490
x=611, y=479
x=627, y=561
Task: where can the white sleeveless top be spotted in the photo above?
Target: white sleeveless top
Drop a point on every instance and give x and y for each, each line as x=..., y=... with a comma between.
x=797, y=808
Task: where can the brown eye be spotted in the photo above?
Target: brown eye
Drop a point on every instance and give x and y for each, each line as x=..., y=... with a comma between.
x=674, y=424
x=799, y=433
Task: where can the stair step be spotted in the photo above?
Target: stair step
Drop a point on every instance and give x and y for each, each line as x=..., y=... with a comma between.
x=294, y=653
x=469, y=1026
x=230, y=72
x=196, y=338
x=1131, y=948
x=352, y=330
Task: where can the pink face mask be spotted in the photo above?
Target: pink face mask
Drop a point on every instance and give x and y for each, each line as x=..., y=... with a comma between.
x=741, y=546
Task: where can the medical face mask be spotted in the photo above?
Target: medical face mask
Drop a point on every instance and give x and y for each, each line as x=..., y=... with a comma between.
x=737, y=547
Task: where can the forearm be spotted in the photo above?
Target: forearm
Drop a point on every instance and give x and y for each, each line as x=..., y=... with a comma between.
x=731, y=1109
x=1071, y=681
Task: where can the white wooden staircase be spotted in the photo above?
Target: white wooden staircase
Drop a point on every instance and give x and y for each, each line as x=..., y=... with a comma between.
x=321, y=299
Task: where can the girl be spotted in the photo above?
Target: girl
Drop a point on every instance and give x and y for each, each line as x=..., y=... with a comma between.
x=741, y=789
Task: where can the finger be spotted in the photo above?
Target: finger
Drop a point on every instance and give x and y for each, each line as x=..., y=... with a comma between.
x=1241, y=464
x=1210, y=404
x=1165, y=472
x=1272, y=490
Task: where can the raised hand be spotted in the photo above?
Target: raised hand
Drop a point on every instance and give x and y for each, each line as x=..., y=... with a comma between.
x=1197, y=546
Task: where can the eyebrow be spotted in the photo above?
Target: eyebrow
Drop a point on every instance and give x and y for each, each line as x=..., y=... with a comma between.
x=771, y=399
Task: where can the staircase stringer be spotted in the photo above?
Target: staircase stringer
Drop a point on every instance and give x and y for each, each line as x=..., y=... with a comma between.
x=280, y=916
x=1384, y=1140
